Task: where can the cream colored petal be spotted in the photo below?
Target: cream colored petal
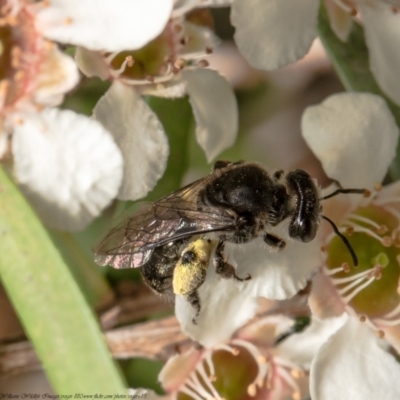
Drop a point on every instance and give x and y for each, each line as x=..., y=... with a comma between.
x=382, y=34
x=68, y=166
x=353, y=365
x=102, y=24
x=57, y=75
x=215, y=110
x=274, y=33
x=91, y=63
x=340, y=20
x=140, y=136
x=354, y=135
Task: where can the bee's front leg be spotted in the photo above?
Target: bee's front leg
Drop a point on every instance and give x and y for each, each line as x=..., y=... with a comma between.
x=222, y=267
x=274, y=241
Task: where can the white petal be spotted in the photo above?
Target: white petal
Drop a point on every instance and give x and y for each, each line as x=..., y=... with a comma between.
x=140, y=136
x=224, y=308
x=382, y=34
x=275, y=275
x=352, y=365
x=68, y=165
x=57, y=75
x=91, y=63
x=215, y=110
x=274, y=33
x=174, y=88
x=102, y=24
x=354, y=135
x=301, y=348
x=340, y=20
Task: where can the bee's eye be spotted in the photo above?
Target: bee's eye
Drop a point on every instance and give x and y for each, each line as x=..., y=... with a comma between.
x=303, y=229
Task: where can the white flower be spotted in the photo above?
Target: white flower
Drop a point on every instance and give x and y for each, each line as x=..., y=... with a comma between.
x=168, y=66
x=274, y=33
x=68, y=165
x=343, y=133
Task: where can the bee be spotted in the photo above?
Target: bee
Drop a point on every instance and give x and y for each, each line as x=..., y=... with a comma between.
x=172, y=238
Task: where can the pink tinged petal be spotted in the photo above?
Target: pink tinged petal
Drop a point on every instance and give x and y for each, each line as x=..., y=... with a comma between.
x=104, y=25
x=353, y=365
x=275, y=275
x=224, y=308
x=340, y=20
x=274, y=33
x=392, y=335
x=382, y=34
x=140, y=136
x=68, y=165
x=91, y=63
x=57, y=75
x=266, y=331
x=215, y=110
x=178, y=368
x=324, y=301
x=301, y=348
x=354, y=135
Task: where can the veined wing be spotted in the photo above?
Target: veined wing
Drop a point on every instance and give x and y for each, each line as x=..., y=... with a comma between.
x=176, y=216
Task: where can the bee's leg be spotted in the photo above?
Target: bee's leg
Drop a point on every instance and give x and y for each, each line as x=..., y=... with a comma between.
x=193, y=299
x=223, y=268
x=274, y=241
x=224, y=163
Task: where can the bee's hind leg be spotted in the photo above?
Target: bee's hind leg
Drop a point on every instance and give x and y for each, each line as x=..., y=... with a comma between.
x=193, y=299
x=222, y=267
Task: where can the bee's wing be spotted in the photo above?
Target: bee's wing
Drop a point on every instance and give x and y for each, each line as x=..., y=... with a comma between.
x=131, y=243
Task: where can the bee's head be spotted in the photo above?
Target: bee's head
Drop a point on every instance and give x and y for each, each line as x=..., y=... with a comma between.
x=307, y=210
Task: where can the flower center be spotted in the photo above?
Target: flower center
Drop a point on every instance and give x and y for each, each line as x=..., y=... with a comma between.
x=18, y=60
x=371, y=289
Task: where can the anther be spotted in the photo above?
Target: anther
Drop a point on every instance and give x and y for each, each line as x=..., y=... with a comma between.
x=209, y=50
x=345, y=267
x=296, y=396
x=378, y=186
x=252, y=390
x=183, y=41
x=150, y=78
x=235, y=351
x=367, y=193
x=387, y=241
x=297, y=373
x=349, y=230
x=376, y=272
x=261, y=359
x=362, y=318
x=179, y=64
x=129, y=61
x=212, y=378
x=395, y=10
x=353, y=12
x=380, y=334
x=203, y=63
x=382, y=230
x=324, y=249
x=68, y=21
x=178, y=28
x=396, y=242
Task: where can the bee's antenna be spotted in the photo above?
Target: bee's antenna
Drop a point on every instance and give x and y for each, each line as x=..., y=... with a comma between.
x=338, y=191
x=344, y=239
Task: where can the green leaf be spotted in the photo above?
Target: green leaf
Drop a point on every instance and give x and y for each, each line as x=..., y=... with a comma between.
x=54, y=313
x=351, y=62
x=177, y=119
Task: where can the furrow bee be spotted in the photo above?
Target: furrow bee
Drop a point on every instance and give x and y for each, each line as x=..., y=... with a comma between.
x=172, y=239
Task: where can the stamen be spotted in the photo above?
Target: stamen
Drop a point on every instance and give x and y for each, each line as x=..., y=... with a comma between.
x=365, y=220
x=209, y=385
x=185, y=389
x=391, y=314
x=387, y=241
x=334, y=271
x=194, y=383
x=359, y=275
x=348, y=298
x=359, y=228
x=284, y=374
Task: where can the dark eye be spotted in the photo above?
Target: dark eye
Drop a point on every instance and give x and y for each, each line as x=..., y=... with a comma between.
x=303, y=229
